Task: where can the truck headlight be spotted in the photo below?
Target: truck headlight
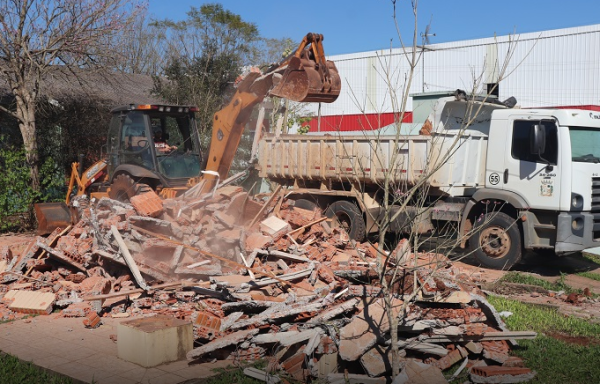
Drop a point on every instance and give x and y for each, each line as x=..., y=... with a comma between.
x=576, y=202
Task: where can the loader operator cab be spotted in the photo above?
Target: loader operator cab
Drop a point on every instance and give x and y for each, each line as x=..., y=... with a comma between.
x=156, y=143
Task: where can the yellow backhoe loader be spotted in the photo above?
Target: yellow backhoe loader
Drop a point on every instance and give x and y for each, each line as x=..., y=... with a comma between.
x=158, y=147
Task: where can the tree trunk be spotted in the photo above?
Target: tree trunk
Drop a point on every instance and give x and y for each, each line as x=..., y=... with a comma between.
x=26, y=115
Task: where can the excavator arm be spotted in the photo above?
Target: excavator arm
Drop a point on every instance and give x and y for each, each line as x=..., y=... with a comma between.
x=304, y=76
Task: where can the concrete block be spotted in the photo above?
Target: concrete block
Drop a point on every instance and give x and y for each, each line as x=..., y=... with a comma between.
x=274, y=226
x=33, y=302
x=152, y=341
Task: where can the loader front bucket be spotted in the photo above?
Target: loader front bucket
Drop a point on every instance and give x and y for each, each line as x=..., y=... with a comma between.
x=51, y=216
x=303, y=81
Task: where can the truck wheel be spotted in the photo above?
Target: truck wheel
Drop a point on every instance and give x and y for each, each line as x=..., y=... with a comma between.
x=123, y=188
x=496, y=242
x=349, y=217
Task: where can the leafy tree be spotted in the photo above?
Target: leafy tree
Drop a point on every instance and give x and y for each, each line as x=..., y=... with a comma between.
x=207, y=52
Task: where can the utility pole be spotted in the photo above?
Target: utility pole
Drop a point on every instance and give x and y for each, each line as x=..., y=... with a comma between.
x=424, y=40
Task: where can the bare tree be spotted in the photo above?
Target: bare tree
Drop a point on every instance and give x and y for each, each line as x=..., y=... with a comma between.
x=38, y=35
x=405, y=199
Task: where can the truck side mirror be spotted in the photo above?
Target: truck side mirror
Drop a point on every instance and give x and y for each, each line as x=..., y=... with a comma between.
x=537, y=139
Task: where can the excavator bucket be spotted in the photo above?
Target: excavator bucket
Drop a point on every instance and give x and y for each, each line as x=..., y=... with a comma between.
x=303, y=81
x=51, y=216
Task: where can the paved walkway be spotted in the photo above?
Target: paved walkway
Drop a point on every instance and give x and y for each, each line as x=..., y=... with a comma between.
x=65, y=346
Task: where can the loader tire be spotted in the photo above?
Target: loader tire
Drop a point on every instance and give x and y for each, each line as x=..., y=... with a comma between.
x=123, y=188
x=348, y=216
x=496, y=241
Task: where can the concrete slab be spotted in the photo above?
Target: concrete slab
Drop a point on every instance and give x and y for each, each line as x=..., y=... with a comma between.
x=65, y=346
x=155, y=340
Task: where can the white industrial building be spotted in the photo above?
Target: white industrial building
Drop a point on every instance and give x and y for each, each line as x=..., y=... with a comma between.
x=556, y=68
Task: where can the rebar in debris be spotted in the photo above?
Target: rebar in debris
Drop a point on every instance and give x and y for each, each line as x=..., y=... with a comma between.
x=239, y=265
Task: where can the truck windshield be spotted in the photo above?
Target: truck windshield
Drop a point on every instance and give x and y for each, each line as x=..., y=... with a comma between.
x=585, y=144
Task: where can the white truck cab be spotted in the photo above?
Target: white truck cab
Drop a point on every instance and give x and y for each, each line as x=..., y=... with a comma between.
x=559, y=183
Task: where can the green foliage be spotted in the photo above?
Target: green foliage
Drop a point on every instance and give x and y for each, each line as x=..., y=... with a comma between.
x=590, y=275
x=303, y=130
x=235, y=375
x=201, y=81
x=17, y=196
x=15, y=371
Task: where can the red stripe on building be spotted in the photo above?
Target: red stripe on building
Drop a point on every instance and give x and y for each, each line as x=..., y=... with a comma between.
x=357, y=122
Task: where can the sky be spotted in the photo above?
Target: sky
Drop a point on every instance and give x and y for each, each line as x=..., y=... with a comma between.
x=351, y=26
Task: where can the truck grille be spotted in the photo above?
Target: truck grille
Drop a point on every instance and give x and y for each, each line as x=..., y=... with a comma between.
x=596, y=206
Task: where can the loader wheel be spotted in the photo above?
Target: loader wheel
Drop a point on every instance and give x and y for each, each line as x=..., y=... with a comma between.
x=348, y=216
x=496, y=242
x=124, y=188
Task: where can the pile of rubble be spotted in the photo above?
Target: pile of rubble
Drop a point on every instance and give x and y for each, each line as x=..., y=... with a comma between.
x=263, y=279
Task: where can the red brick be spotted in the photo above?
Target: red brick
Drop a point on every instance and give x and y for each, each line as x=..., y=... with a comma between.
x=297, y=216
x=494, y=370
x=148, y=204
x=256, y=241
x=293, y=366
x=92, y=320
x=326, y=274
x=450, y=359
x=250, y=354
x=77, y=310
x=514, y=361
x=326, y=346
x=495, y=350
x=207, y=325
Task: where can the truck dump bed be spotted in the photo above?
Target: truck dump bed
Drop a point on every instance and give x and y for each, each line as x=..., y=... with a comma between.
x=370, y=158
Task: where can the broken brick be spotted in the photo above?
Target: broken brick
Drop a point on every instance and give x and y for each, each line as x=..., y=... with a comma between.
x=148, y=204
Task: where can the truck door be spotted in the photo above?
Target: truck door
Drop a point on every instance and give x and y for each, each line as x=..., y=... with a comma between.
x=535, y=177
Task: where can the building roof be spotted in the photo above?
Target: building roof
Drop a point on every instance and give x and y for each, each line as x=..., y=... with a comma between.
x=112, y=87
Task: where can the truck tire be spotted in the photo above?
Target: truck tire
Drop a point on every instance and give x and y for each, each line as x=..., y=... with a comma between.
x=496, y=242
x=349, y=217
x=123, y=188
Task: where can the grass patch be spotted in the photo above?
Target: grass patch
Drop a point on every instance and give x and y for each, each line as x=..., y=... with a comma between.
x=591, y=257
x=541, y=319
x=235, y=375
x=15, y=371
x=590, y=275
x=556, y=361
x=523, y=278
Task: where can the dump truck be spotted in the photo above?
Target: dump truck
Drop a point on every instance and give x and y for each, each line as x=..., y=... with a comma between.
x=497, y=179
x=139, y=160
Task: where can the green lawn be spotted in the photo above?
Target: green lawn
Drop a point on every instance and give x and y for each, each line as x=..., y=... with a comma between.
x=567, y=349
x=14, y=371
